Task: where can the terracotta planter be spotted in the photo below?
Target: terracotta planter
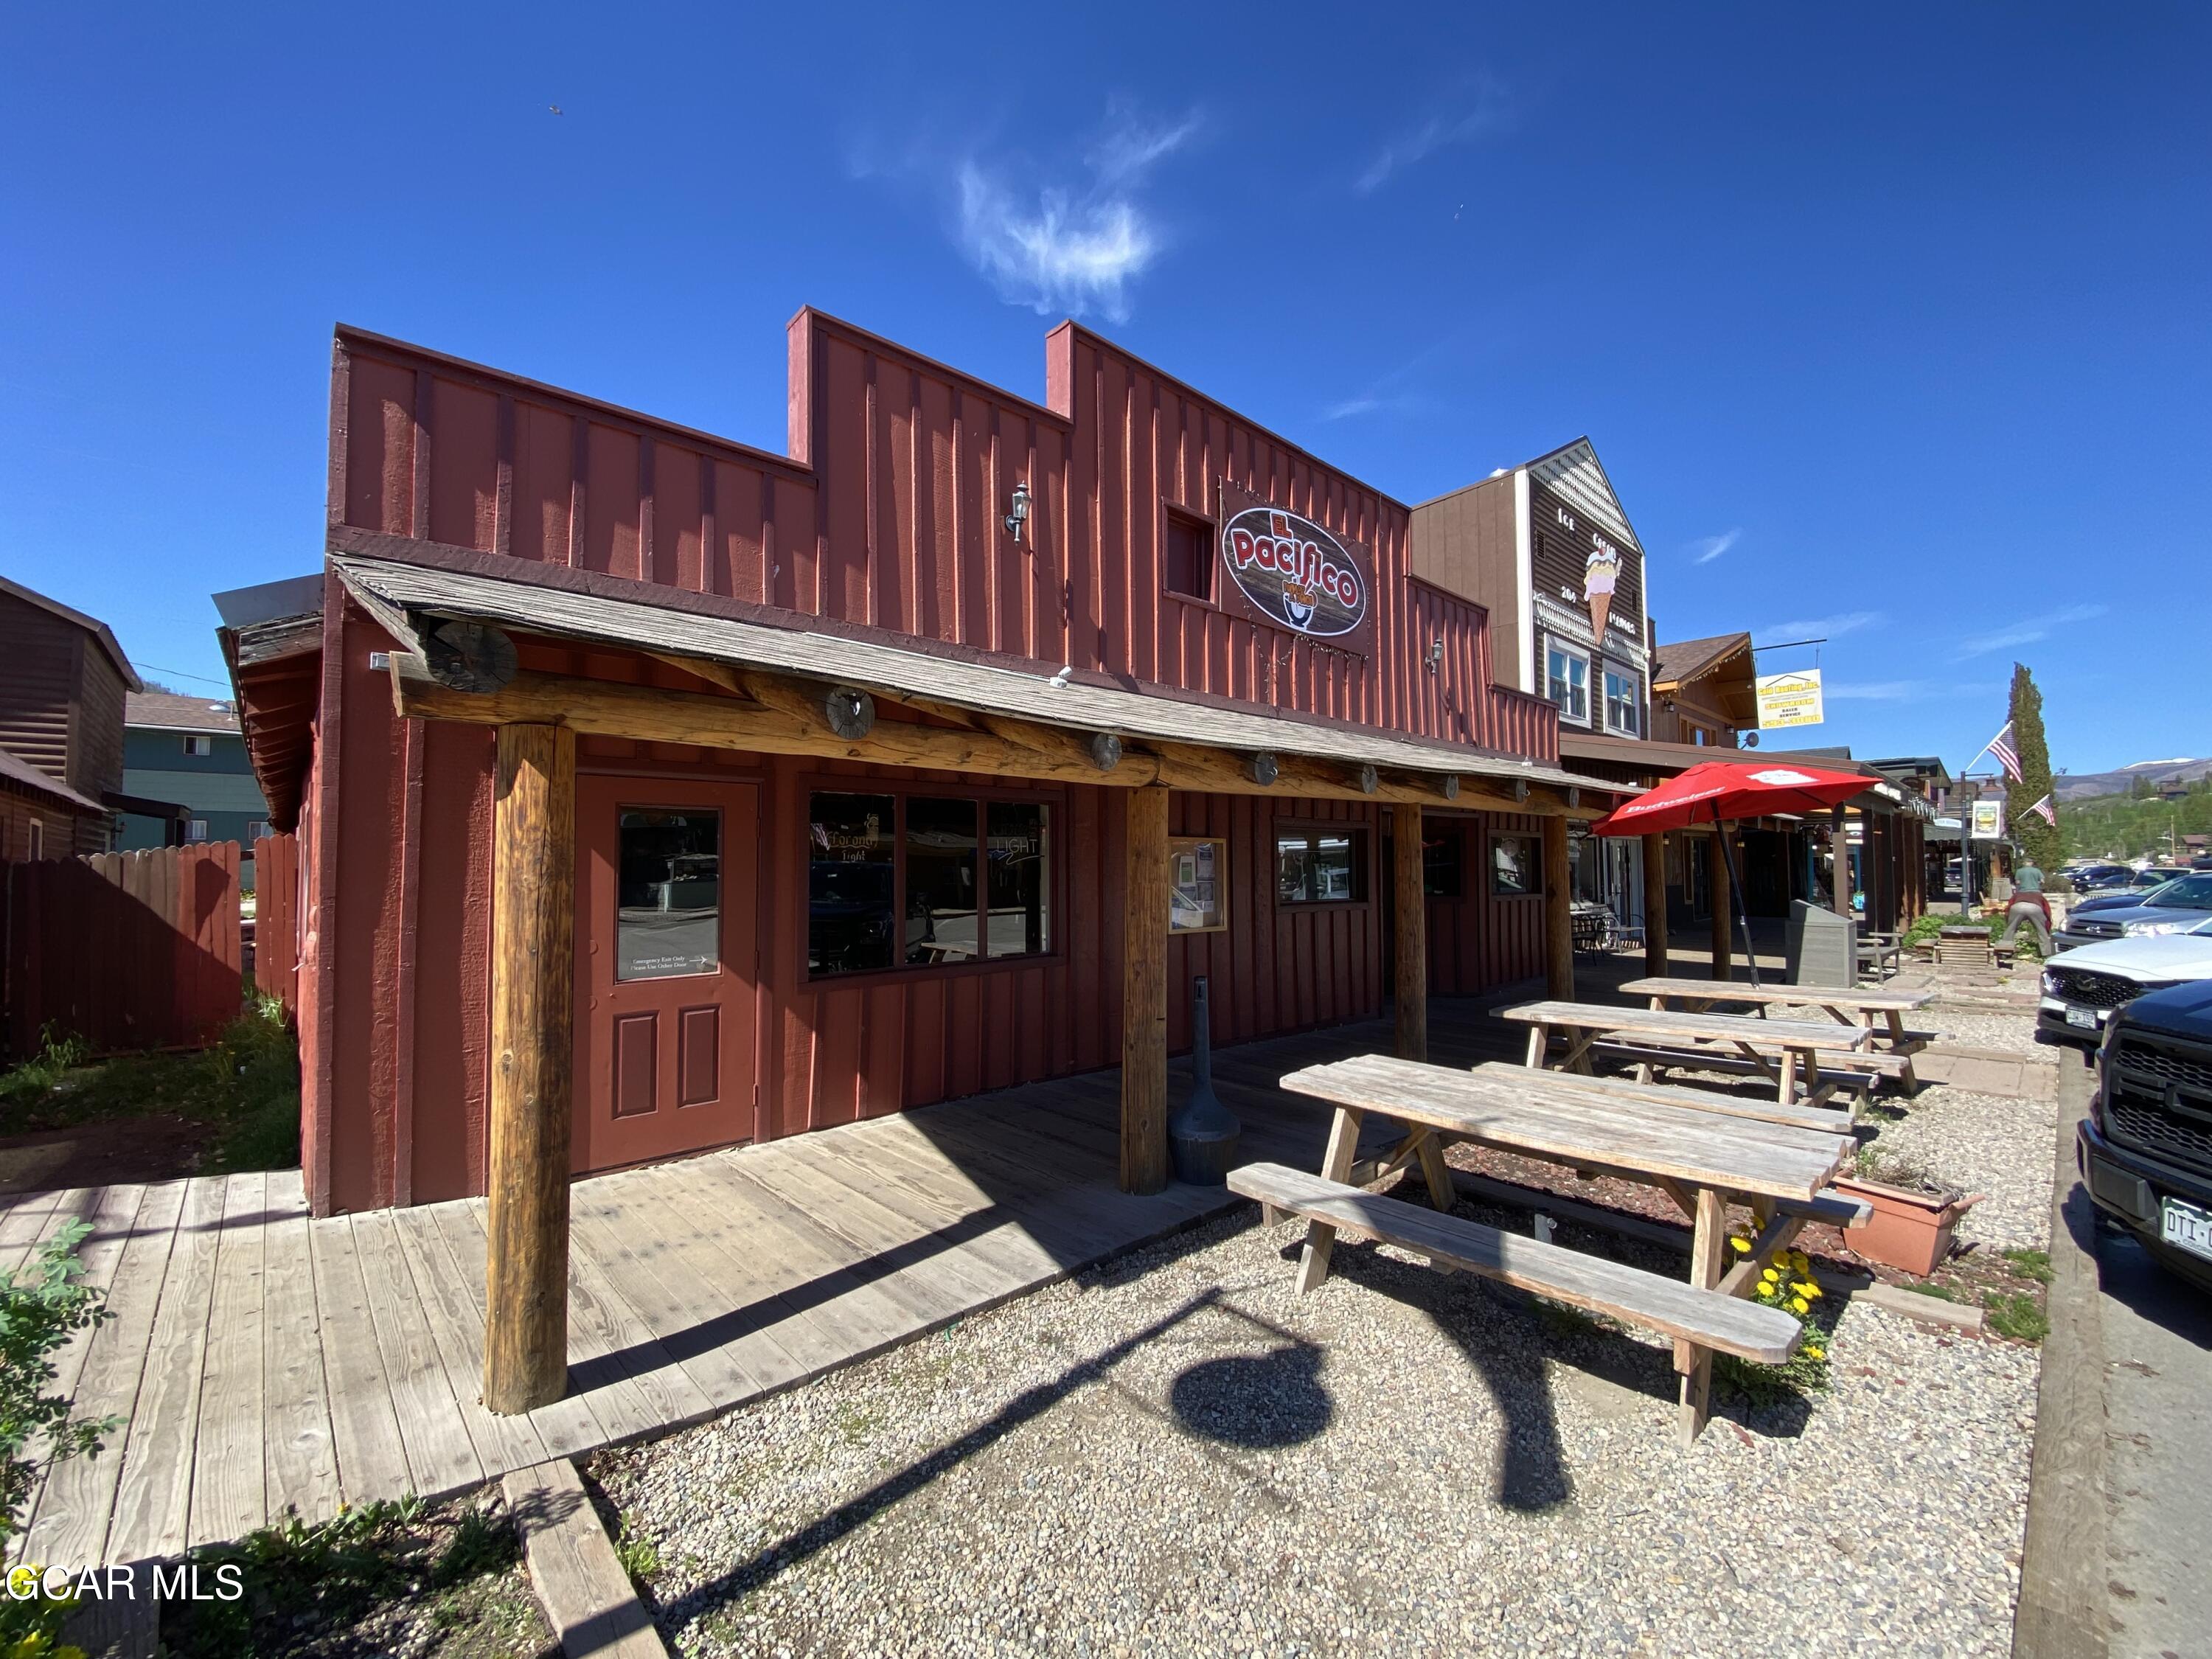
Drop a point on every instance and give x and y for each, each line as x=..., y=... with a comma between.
x=1910, y=1231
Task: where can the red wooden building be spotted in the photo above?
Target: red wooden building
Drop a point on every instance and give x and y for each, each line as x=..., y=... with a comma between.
x=820, y=783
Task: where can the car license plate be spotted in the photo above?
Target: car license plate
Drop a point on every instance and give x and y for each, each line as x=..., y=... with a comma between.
x=2186, y=1227
x=2085, y=1017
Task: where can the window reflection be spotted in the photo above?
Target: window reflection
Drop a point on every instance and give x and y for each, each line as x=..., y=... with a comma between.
x=850, y=901
x=1017, y=846
x=668, y=893
x=941, y=880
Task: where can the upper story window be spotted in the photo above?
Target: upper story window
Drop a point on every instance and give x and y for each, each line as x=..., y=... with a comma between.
x=1566, y=682
x=1624, y=701
x=198, y=744
x=1189, y=557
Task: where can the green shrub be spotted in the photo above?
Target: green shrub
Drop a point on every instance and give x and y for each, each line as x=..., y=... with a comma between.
x=42, y=1306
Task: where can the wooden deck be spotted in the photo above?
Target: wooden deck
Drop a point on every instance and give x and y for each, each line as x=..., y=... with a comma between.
x=267, y=1361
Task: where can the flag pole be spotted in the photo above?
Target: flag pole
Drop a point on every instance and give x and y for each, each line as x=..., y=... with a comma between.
x=1735, y=892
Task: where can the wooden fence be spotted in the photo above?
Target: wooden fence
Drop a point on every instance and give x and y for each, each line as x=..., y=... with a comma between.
x=140, y=949
x=276, y=919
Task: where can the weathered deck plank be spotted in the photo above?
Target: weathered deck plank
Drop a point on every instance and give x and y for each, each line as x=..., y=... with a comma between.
x=228, y=1501
x=432, y=1431
x=152, y=1510
x=299, y=1456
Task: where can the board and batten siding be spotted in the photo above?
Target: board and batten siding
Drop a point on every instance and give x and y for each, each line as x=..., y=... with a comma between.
x=887, y=513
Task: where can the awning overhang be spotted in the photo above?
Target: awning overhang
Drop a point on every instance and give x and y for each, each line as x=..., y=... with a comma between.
x=963, y=715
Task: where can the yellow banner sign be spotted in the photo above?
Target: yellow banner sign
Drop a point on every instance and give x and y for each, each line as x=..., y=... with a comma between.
x=1789, y=700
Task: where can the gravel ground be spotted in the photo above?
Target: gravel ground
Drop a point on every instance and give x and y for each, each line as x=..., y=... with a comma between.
x=1175, y=1454
x=1994, y=1144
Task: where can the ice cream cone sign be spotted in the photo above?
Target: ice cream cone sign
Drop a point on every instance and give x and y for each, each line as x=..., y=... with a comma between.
x=1600, y=573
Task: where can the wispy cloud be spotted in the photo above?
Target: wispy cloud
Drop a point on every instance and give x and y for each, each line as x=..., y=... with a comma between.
x=1059, y=245
x=1706, y=549
x=2027, y=630
x=1070, y=235
x=1816, y=628
x=1880, y=691
x=1480, y=108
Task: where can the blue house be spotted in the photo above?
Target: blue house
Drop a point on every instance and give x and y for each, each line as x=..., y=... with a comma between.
x=188, y=751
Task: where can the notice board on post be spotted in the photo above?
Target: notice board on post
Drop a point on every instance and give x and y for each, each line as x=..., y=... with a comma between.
x=1198, y=884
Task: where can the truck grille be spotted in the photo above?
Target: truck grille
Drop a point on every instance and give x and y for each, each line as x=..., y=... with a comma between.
x=2090, y=927
x=2158, y=1095
x=2094, y=990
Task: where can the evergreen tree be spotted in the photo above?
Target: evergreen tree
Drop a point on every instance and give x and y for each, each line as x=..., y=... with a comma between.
x=2043, y=843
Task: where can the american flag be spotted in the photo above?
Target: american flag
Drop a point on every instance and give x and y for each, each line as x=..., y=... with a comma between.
x=2008, y=756
x=2042, y=810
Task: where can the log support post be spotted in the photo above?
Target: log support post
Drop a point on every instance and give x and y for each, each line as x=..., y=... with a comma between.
x=1412, y=950
x=533, y=994
x=1655, y=904
x=1147, y=898
x=1717, y=884
x=1559, y=914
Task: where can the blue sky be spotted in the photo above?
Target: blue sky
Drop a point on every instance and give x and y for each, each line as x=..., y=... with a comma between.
x=1889, y=323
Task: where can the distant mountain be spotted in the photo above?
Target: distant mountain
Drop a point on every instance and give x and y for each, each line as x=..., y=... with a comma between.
x=2077, y=785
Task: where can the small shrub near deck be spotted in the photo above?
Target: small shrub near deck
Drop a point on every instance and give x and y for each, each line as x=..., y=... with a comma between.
x=246, y=1086
x=347, y=1583
x=42, y=1306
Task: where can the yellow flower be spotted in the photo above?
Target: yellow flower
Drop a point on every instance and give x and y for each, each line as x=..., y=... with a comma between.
x=1743, y=1246
x=1814, y=1352
x=1770, y=1275
x=1798, y=1304
x=1806, y=1289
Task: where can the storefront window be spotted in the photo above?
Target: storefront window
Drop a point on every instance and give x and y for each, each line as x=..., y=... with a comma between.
x=924, y=881
x=1018, y=856
x=1440, y=863
x=941, y=881
x=851, y=899
x=1566, y=683
x=1515, y=866
x=1623, y=702
x=668, y=893
x=1321, y=867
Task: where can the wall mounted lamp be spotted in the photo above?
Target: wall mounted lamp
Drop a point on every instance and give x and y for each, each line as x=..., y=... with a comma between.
x=1018, y=511
x=1435, y=659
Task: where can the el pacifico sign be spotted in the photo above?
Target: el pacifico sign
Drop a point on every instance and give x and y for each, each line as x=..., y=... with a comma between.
x=1791, y=700
x=1287, y=571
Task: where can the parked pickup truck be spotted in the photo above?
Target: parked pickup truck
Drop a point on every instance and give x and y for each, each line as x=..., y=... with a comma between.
x=2145, y=1150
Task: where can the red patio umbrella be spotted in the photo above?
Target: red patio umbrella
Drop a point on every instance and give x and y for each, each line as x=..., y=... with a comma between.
x=1712, y=790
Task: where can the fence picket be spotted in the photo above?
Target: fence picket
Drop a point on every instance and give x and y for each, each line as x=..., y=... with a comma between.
x=145, y=950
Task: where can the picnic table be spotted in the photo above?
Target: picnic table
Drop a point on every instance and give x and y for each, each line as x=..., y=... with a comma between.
x=1778, y=1049
x=1702, y=1158
x=1856, y=1005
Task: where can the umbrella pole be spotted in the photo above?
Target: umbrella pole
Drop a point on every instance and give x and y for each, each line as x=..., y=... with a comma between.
x=1735, y=892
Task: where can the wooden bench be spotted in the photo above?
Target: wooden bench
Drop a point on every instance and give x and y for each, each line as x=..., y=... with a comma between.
x=1830, y=1069
x=1709, y=1319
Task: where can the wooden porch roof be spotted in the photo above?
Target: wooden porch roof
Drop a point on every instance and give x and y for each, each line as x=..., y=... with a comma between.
x=410, y=600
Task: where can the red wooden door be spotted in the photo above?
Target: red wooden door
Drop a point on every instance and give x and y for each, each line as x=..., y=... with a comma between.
x=666, y=960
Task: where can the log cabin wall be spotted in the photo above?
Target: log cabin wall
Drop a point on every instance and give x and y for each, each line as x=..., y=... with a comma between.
x=887, y=515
